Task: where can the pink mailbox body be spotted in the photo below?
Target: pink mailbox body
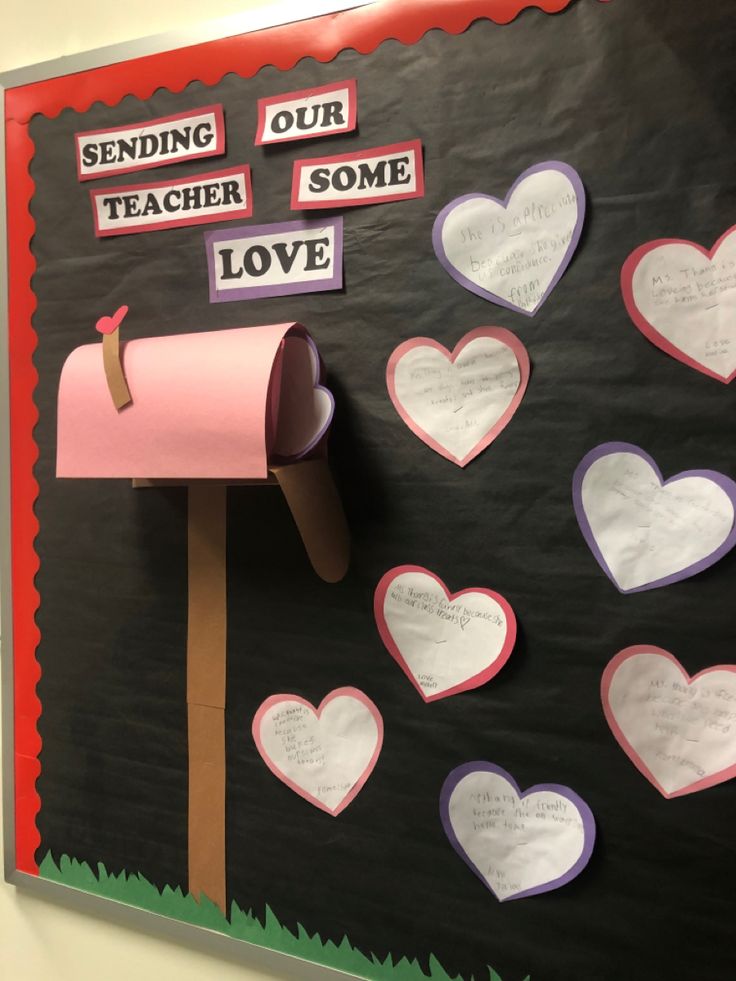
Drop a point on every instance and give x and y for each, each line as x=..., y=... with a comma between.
x=219, y=404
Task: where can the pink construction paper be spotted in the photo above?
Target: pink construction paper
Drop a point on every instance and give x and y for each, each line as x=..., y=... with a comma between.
x=201, y=407
x=474, y=681
x=649, y=330
x=500, y=334
x=699, y=784
x=358, y=785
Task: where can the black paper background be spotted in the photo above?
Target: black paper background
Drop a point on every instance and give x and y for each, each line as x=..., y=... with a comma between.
x=641, y=99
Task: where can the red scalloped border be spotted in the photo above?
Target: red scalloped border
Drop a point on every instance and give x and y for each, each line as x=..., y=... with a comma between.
x=322, y=38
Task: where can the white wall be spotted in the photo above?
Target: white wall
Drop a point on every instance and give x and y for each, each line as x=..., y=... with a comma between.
x=40, y=941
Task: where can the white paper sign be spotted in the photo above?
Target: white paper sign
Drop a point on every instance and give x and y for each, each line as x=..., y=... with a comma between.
x=308, y=113
x=458, y=403
x=326, y=754
x=679, y=732
x=683, y=299
x=445, y=643
x=514, y=251
x=518, y=844
x=217, y=196
x=645, y=532
x=379, y=174
x=254, y=261
x=139, y=146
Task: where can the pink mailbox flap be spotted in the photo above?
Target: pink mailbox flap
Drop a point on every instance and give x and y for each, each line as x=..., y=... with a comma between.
x=206, y=405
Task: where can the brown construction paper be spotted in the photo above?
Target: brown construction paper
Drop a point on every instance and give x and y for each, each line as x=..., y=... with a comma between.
x=317, y=510
x=207, y=803
x=207, y=619
x=206, y=656
x=119, y=391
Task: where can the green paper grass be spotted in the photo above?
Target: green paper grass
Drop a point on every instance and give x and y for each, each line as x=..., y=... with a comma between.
x=136, y=890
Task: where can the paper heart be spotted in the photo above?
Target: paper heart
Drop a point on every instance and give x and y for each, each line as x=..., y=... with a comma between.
x=682, y=297
x=108, y=325
x=514, y=252
x=680, y=732
x=304, y=408
x=458, y=403
x=444, y=642
x=518, y=844
x=646, y=532
x=323, y=754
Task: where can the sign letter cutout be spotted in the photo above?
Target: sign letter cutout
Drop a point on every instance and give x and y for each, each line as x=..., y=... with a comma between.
x=645, y=531
x=518, y=844
x=514, y=252
x=458, y=403
x=323, y=754
x=444, y=642
x=682, y=298
x=680, y=732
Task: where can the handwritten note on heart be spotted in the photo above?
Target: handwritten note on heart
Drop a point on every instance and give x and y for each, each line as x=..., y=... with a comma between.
x=646, y=532
x=680, y=732
x=682, y=297
x=444, y=642
x=514, y=252
x=458, y=403
x=518, y=844
x=324, y=754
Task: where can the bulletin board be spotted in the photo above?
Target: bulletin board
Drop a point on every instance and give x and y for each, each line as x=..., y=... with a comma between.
x=636, y=102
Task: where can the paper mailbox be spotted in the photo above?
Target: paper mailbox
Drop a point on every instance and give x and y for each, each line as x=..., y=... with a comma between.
x=206, y=410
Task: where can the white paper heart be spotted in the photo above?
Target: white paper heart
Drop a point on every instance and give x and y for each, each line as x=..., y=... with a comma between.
x=324, y=754
x=513, y=252
x=458, y=403
x=646, y=532
x=682, y=297
x=445, y=643
x=680, y=732
x=517, y=844
x=304, y=409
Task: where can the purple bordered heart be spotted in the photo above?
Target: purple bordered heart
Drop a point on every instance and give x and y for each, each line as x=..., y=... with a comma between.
x=302, y=430
x=499, y=832
x=541, y=257
x=620, y=513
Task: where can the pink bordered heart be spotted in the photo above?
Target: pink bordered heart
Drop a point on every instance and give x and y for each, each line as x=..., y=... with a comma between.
x=678, y=731
x=324, y=754
x=444, y=642
x=682, y=297
x=458, y=402
x=108, y=325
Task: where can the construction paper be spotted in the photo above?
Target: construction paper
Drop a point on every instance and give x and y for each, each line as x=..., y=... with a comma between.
x=317, y=511
x=678, y=731
x=303, y=115
x=682, y=297
x=206, y=686
x=274, y=260
x=324, y=754
x=373, y=176
x=305, y=408
x=188, y=135
x=444, y=642
x=645, y=531
x=114, y=374
x=458, y=403
x=518, y=844
x=204, y=405
x=514, y=251
x=217, y=196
